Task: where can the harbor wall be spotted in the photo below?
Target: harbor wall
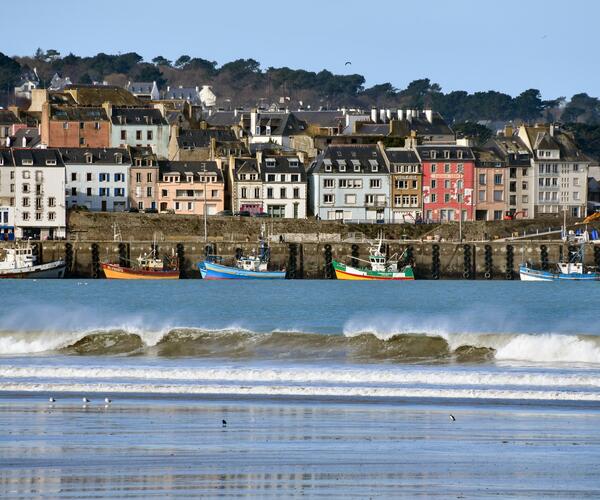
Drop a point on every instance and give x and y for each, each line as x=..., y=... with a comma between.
x=310, y=259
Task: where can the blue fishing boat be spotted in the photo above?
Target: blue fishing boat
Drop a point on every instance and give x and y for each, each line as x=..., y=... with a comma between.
x=571, y=269
x=246, y=267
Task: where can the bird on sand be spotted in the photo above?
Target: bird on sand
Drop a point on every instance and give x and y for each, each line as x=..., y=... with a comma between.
x=51, y=400
x=453, y=418
x=85, y=400
x=224, y=423
x=107, y=401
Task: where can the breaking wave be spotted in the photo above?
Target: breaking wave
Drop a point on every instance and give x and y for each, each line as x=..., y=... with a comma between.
x=363, y=343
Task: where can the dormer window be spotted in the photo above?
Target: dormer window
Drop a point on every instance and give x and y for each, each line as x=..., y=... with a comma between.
x=459, y=154
x=88, y=158
x=356, y=165
x=268, y=130
x=27, y=162
x=1, y=160
x=118, y=158
x=327, y=165
x=446, y=154
x=190, y=179
x=374, y=165
x=293, y=162
x=50, y=162
x=433, y=154
x=270, y=162
x=342, y=165
x=257, y=131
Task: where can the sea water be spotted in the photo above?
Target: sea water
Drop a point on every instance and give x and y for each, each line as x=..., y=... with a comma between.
x=359, y=359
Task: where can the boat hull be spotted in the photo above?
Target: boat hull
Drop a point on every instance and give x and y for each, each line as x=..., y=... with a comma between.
x=50, y=270
x=344, y=272
x=115, y=272
x=531, y=274
x=212, y=271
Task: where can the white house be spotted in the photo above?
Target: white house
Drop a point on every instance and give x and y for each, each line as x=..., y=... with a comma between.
x=274, y=127
x=351, y=182
x=7, y=195
x=284, y=186
x=97, y=178
x=140, y=127
x=146, y=91
x=39, y=189
x=246, y=185
x=560, y=171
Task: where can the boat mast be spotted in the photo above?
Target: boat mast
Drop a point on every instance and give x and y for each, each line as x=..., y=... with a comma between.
x=204, y=209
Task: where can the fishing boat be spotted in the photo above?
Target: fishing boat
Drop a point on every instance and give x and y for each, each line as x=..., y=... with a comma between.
x=378, y=267
x=571, y=269
x=147, y=267
x=21, y=262
x=246, y=267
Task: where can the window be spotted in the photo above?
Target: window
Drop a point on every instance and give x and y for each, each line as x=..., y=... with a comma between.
x=51, y=201
x=149, y=191
x=576, y=181
x=81, y=125
x=104, y=192
x=73, y=191
x=65, y=125
x=257, y=192
x=244, y=193
x=25, y=215
x=576, y=195
x=401, y=184
x=88, y=192
x=138, y=177
x=149, y=177
x=149, y=135
x=447, y=184
x=38, y=203
x=433, y=168
x=497, y=214
x=433, y=198
x=329, y=183
x=82, y=141
x=446, y=168
x=481, y=195
x=433, y=184
x=482, y=179
x=327, y=164
x=269, y=192
x=375, y=183
x=497, y=179
x=73, y=176
x=328, y=199
x=575, y=167
x=25, y=174
x=282, y=193
x=498, y=195
x=25, y=188
x=296, y=193
x=141, y=205
x=282, y=178
x=369, y=199
x=295, y=178
x=176, y=205
x=270, y=177
x=446, y=198
x=119, y=192
x=123, y=135
x=104, y=177
x=51, y=215
x=446, y=154
x=138, y=135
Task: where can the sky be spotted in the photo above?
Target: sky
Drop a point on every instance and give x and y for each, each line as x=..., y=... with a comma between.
x=472, y=45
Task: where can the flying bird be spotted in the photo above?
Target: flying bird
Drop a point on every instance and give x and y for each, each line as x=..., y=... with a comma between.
x=348, y=63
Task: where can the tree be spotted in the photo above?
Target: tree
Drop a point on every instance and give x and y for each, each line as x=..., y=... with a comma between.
x=182, y=61
x=149, y=73
x=528, y=105
x=587, y=137
x=10, y=72
x=582, y=107
x=479, y=133
x=161, y=61
x=85, y=79
x=39, y=54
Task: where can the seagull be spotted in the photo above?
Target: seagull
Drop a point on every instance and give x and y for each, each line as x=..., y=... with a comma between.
x=224, y=423
x=348, y=63
x=85, y=400
x=107, y=401
x=453, y=418
x=51, y=399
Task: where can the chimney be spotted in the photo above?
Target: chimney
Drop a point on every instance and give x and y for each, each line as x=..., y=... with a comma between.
x=552, y=130
x=401, y=114
x=382, y=116
x=259, y=155
x=235, y=112
x=508, y=130
x=409, y=115
x=253, y=120
x=8, y=142
x=24, y=142
x=388, y=114
x=374, y=115
x=429, y=115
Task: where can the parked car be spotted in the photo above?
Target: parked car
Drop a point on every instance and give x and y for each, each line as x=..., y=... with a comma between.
x=133, y=210
x=262, y=214
x=150, y=211
x=243, y=213
x=225, y=213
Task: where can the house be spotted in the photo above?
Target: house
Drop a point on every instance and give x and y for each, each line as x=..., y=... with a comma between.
x=180, y=93
x=8, y=121
x=284, y=186
x=191, y=187
x=140, y=127
x=448, y=172
x=560, y=171
x=97, y=178
x=39, y=193
x=245, y=185
x=74, y=126
x=351, y=182
x=491, y=178
x=58, y=82
x=519, y=185
x=26, y=137
x=204, y=144
x=7, y=195
x=145, y=91
x=28, y=82
x=272, y=127
x=208, y=98
x=143, y=178
x=406, y=184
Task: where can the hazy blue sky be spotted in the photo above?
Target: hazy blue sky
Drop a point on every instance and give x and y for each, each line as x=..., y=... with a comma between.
x=506, y=45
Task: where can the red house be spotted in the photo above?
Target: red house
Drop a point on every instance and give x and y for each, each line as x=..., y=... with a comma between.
x=448, y=180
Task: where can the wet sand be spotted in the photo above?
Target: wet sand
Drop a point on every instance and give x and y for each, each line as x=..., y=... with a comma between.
x=155, y=447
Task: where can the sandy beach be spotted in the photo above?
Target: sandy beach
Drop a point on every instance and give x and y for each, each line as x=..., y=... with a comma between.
x=158, y=446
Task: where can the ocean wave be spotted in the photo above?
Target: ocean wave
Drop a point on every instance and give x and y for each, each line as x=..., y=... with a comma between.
x=364, y=344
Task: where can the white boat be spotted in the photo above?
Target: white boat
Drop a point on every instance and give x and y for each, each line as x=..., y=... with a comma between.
x=20, y=262
x=567, y=271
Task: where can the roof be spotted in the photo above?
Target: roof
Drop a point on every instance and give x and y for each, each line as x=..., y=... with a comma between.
x=195, y=167
x=201, y=138
x=454, y=152
x=487, y=157
x=400, y=155
x=282, y=165
x=140, y=87
x=351, y=159
x=104, y=156
x=323, y=119
x=245, y=166
x=31, y=136
x=39, y=157
x=6, y=158
x=511, y=149
x=137, y=116
x=77, y=114
x=96, y=95
x=223, y=119
x=7, y=117
x=280, y=123
x=191, y=94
